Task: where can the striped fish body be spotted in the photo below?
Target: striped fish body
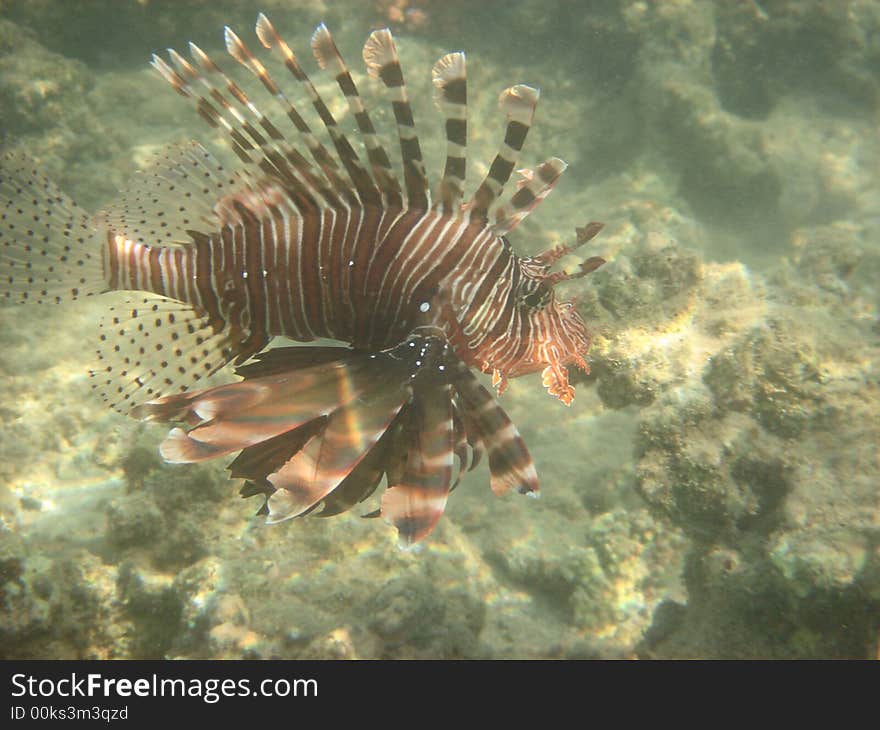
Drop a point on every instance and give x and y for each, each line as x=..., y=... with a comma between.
x=219, y=262
x=366, y=276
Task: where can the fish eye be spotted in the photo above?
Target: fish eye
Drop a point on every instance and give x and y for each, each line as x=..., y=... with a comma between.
x=537, y=299
x=532, y=300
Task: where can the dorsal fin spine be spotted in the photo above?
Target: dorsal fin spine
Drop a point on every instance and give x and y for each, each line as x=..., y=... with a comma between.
x=534, y=188
x=240, y=52
x=328, y=55
x=449, y=76
x=380, y=55
x=363, y=183
x=275, y=156
x=519, y=103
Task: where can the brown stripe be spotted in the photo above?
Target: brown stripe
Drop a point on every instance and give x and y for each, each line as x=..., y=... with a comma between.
x=307, y=261
x=455, y=166
x=132, y=267
x=362, y=249
x=391, y=74
x=346, y=84
x=295, y=309
x=324, y=272
x=156, y=283
x=253, y=287
x=455, y=91
x=403, y=113
x=501, y=169
x=112, y=261
x=515, y=136
x=490, y=278
x=522, y=198
x=270, y=280
x=204, y=252
x=456, y=131
x=177, y=265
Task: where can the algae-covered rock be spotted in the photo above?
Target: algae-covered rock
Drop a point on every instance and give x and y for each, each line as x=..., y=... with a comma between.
x=153, y=606
x=663, y=313
x=814, y=561
x=12, y=553
x=37, y=86
x=134, y=520
x=409, y=616
x=712, y=475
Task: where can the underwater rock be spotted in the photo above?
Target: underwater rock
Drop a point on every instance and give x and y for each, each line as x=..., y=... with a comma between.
x=411, y=619
x=710, y=475
x=738, y=99
x=153, y=606
x=58, y=608
x=155, y=515
x=133, y=521
x=37, y=87
x=663, y=312
x=337, y=644
x=819, y=560
x=609, y=583
x=12, y=554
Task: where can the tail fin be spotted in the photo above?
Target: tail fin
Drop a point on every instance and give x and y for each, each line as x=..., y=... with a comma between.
x=49, y=248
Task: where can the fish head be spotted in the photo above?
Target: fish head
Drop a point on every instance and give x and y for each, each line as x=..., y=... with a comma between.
x=557, y=337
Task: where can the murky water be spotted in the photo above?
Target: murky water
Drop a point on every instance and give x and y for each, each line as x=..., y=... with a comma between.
x=711, y=492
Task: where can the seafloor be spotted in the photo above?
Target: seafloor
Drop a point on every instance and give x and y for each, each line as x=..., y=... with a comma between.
x=714, y=491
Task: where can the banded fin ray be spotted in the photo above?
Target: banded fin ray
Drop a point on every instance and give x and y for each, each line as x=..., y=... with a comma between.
x=232, y=417
x=269, y=37
x=328, y=56
x=365, y=478
x=415, y=503
x=341, y=194
x=533, y=188
x=380, y=55
x=510, y=464
x=449, y=76
x=331, y=455
x=278, y=160
x=518, y=103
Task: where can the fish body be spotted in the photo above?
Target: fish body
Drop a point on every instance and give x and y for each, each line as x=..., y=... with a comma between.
x=303, y=243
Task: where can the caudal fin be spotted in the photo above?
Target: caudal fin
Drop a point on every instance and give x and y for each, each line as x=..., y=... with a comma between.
x=49, y=249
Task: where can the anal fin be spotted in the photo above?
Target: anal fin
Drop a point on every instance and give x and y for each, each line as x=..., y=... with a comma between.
x=152, y=346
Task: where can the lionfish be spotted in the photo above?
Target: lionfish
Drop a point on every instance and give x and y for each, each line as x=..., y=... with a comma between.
x=419, y=289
